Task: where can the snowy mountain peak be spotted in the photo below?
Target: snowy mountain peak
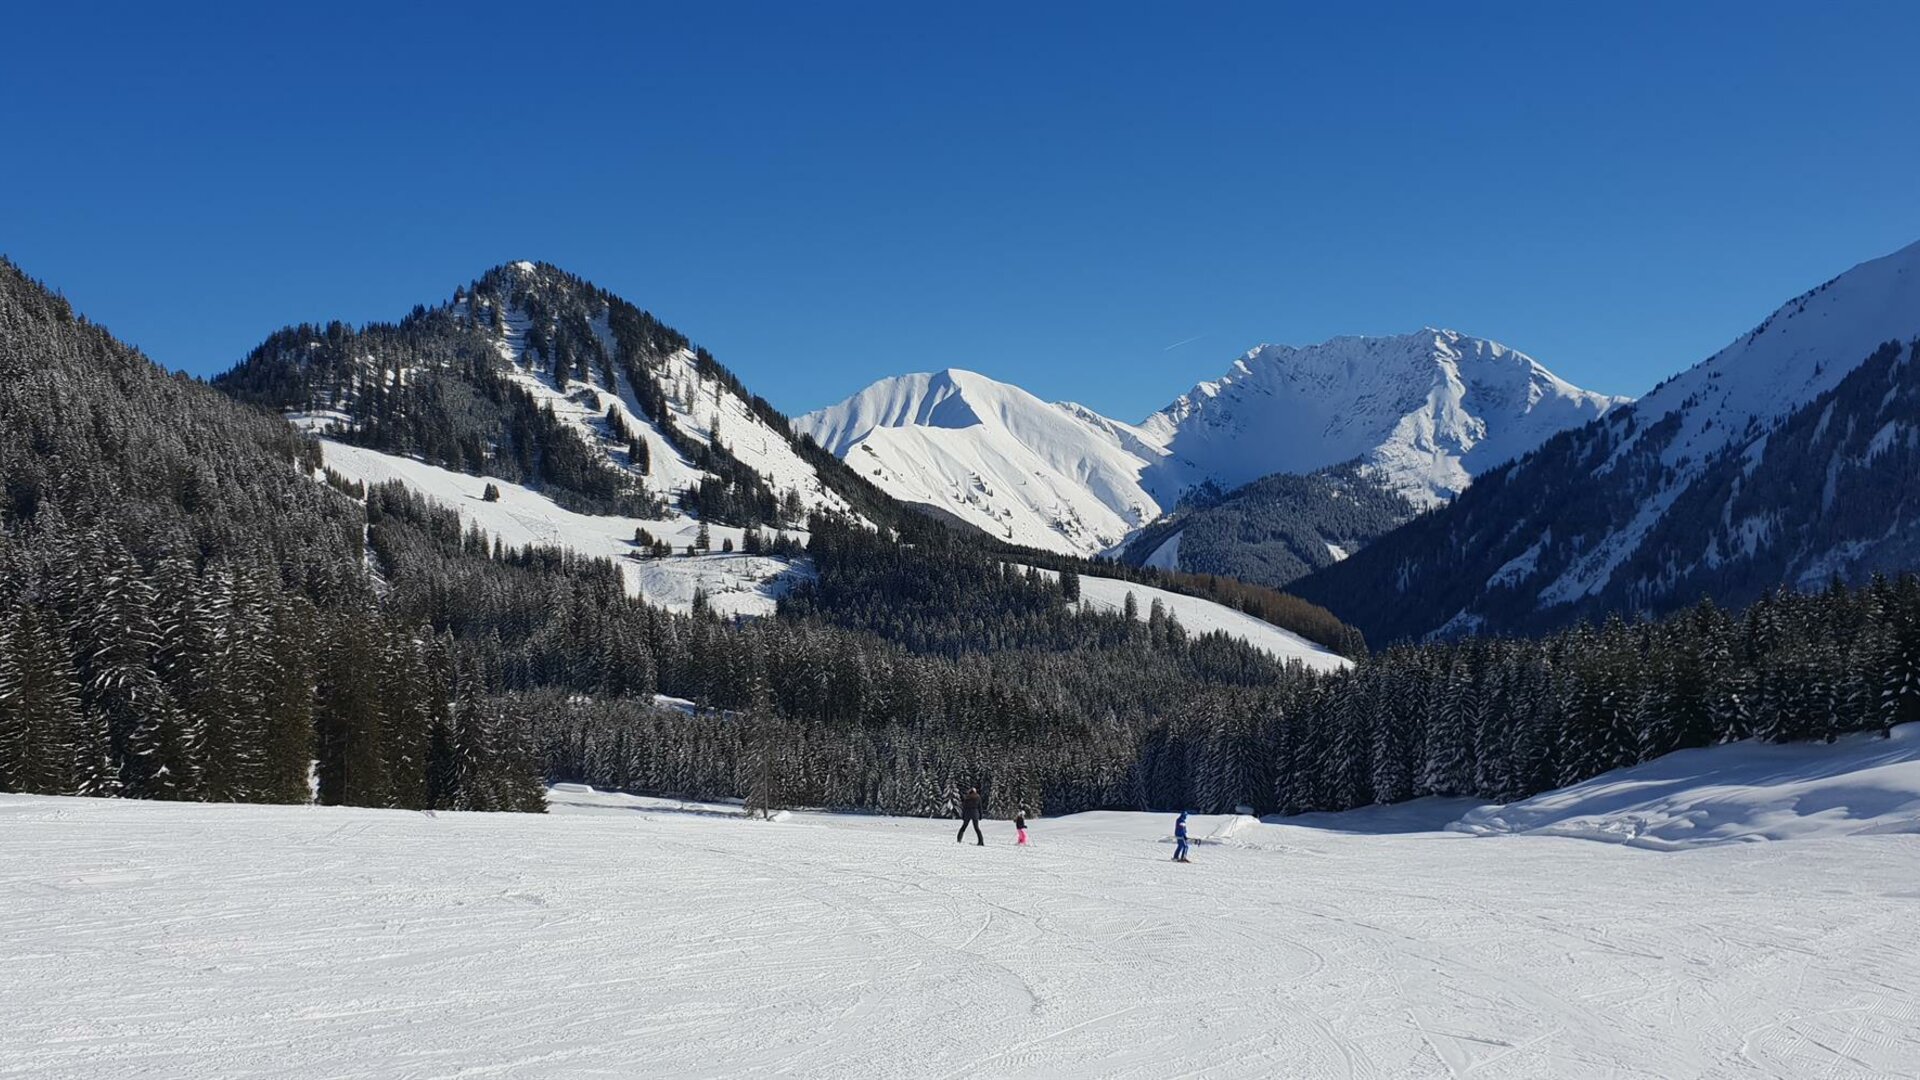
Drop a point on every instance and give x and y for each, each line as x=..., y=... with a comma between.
x=1053, y=476
x=1796, y=354
x=951, y=398
x=1427, y=410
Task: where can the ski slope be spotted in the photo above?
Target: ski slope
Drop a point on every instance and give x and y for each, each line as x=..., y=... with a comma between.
x=1200, y=616
x=735, y=584
x=622, y=936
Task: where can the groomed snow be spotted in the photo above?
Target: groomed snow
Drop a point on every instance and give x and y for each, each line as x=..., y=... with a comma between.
x=623, y=936
x=735, y=584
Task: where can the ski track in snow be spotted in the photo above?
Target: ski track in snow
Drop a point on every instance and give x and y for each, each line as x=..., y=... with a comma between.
x=624, y=936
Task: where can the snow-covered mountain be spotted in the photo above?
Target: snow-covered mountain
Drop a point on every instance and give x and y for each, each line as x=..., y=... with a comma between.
x=1426, y=412
x=537, y=376
x=1055, y=476
x=1423, y=413
x=1789, y=457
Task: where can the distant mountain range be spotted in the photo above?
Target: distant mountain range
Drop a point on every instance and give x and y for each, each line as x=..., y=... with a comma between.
x=1789, y=458
x=1418, y=414
x=1430, y=483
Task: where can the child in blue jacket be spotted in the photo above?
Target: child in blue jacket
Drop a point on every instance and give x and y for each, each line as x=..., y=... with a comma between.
x=1180, y=839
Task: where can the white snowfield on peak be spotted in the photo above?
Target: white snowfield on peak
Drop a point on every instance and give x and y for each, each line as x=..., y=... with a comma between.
x=627, y=936
x=1424, y=412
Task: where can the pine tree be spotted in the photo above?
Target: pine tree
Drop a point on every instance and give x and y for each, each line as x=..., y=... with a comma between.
x=352, y=768
x=40, y=703
x=119, y=638
x=286, y=704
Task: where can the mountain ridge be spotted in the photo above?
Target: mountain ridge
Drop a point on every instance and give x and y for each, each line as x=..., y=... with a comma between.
x=1785, y=458
x=1422, y=411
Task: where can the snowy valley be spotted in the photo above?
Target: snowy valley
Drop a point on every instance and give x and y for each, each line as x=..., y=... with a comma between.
x=621, y=935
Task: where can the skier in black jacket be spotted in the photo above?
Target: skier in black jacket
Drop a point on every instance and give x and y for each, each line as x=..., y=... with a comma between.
x=970, y=815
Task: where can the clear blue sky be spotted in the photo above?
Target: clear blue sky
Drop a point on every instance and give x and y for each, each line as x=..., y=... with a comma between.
x=1105, y=202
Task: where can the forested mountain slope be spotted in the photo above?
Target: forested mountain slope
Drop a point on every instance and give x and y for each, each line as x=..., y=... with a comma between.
x=1788, y=458
x=1275, y=530
x=191, y=609
x=187, y=612
x=536, y=376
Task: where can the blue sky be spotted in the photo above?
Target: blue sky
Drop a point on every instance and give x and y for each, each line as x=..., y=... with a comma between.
x=1103, y=202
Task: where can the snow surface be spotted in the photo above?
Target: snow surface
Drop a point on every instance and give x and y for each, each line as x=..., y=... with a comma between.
x=1861, y=785
x=626, y=936
x=1200, y=616
x=1425, y=411
x=735, y=584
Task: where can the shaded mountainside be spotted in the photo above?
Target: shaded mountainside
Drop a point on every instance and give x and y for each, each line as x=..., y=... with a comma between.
x=1275, y=530
x=1787, y=459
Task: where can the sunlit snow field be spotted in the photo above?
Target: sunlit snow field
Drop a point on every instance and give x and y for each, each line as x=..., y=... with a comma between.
x=624, y=937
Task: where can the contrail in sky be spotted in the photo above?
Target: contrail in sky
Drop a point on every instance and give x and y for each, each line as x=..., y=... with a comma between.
x=1188, y=341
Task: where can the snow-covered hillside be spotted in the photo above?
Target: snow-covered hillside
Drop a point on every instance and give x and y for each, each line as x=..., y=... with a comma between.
x=1801, y=351
x=624, y=936
x=1423, y=412
x=537, y=376
x=698, y=406
x=735, y=584
x=1058, y=477
x=1786, y=458
x=1200, y=616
